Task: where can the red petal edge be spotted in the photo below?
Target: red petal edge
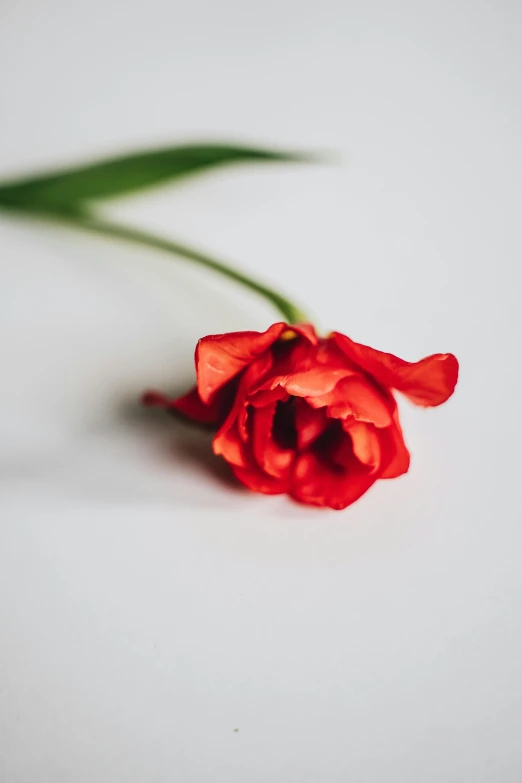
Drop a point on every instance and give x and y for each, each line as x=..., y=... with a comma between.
x=428, y=382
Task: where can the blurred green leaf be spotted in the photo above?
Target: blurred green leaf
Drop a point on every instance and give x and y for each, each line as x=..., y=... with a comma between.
x=127, y=174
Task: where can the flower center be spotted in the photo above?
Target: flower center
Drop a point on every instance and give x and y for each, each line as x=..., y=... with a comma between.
x=283, y=429
x=328, y=445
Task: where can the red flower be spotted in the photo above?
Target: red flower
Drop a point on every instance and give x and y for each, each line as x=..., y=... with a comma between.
x=311, y=417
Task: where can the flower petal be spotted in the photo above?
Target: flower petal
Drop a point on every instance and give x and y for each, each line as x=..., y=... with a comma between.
x=220, y=357
x=310, y=423
x=395, y=455
x=428, y=382
x=229, y=445
x=315, y=382
x=261, y=398
x=258, y=481
x=237, y=417
x=305, y=330
x=242, y=423
x=303, y=368
x=320, y=484
x=270, y=456
x=189, y=405
x=357, y=396
x=366, y=442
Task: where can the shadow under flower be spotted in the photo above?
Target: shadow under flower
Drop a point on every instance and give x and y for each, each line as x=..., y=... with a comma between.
x=178, y=440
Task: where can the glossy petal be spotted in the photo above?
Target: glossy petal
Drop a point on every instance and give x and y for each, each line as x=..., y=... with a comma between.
x=428, y=382
x=220, y=357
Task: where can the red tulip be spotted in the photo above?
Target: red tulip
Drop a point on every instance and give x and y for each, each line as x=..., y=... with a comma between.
x=315, y=418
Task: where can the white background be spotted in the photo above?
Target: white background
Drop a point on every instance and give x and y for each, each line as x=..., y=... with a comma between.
x=157, y=622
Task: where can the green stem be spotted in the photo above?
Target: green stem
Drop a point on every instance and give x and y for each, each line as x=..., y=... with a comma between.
x=80, y=219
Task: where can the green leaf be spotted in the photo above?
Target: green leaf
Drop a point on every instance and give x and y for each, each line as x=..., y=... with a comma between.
x=119, y=176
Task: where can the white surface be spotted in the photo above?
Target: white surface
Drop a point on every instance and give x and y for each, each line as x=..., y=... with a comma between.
x=148, y=608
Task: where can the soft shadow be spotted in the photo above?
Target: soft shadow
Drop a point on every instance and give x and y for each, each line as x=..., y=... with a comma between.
x=174, y=436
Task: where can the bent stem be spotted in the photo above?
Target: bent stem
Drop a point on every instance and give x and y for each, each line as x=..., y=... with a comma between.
x=90, y=222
